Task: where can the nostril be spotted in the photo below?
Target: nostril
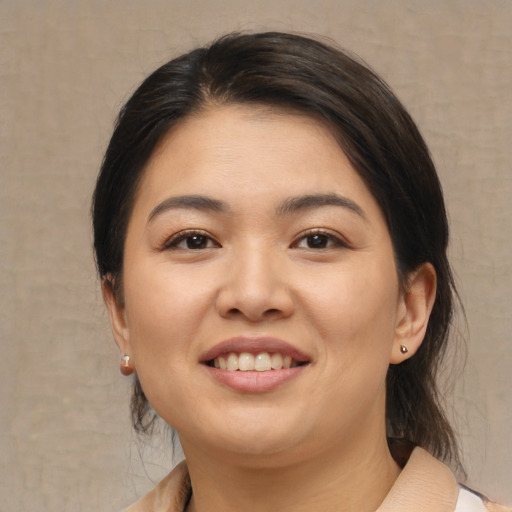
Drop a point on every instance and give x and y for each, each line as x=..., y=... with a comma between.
x=267, y=313
x=264, y=305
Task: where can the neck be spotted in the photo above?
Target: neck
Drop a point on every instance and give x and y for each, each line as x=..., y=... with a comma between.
x=351, y=480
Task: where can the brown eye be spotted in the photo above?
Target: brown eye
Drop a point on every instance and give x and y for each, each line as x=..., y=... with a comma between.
x=319, y=241
x=196, y=242
x=192, y=241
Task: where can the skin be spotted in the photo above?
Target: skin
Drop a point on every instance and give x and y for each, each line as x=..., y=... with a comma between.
x=317, y=442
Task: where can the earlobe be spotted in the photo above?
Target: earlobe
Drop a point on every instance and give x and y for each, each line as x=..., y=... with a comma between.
x=117, y=315
x=414, y=311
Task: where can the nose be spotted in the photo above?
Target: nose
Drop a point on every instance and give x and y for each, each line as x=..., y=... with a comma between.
x=256, y=287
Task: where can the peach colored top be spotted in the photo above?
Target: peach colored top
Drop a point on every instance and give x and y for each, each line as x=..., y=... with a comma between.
x=424, y=485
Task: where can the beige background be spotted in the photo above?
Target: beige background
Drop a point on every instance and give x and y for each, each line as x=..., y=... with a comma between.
x=66, y=67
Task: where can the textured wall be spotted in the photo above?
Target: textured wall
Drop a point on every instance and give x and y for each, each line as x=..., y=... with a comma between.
x=65, y=68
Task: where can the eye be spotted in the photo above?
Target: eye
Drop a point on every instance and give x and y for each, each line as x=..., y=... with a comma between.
x=319, y=240
x=191, y=240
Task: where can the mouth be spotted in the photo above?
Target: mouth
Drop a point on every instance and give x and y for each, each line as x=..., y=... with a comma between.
x=254, y=364
x=260, y=362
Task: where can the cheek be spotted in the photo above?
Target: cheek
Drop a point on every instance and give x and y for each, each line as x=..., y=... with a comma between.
x=355, y=314
x=164, y=308
x=354, y=303
x=165, y=313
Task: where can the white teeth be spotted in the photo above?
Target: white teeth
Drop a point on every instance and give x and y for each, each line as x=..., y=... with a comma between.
x=246, y=362
x=276, y=361
x=232, y=363
x=261, y=362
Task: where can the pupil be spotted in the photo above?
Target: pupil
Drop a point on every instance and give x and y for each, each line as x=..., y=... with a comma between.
x=196, y=242
x=317, y=241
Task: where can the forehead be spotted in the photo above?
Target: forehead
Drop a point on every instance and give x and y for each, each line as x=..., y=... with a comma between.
x=255, y=150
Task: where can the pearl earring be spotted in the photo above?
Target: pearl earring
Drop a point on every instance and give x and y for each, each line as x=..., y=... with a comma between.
x=126, y=367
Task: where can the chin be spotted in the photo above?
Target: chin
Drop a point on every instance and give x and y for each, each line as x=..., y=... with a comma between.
x=252, y=439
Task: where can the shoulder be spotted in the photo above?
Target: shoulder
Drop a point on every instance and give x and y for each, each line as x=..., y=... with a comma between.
x=170, y=495
x=426, y=484
x=472, y=501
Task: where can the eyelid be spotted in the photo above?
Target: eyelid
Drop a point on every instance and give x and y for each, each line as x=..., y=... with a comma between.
x=173, y=241
x=337, y=238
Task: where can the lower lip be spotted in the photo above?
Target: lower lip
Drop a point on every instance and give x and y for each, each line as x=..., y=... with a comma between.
x=254, y=381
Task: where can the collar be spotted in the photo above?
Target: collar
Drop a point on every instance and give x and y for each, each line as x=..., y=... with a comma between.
x=425, y=484
x=170, y=495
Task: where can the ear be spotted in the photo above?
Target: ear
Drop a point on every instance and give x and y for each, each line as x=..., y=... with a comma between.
x=414, y=311
x=116, y=311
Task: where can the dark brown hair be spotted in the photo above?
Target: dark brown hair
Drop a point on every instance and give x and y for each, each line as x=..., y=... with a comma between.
x=379, y=137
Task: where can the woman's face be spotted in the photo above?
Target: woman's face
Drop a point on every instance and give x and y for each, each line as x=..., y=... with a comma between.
x=252, y=234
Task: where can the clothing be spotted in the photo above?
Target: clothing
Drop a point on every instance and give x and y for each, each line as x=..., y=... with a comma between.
x=424, y=485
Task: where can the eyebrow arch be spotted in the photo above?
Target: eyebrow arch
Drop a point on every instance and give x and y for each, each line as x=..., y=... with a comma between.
x=310, y=201
x=196, y=202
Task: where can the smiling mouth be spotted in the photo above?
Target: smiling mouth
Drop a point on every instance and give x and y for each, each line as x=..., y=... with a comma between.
x=260, y=362
x=251, y=364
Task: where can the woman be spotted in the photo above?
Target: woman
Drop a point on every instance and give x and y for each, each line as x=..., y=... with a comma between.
x=271, y=237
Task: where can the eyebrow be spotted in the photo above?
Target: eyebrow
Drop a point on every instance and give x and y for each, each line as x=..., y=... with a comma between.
x=196, y=202
x=287, y=207
x=310, y=201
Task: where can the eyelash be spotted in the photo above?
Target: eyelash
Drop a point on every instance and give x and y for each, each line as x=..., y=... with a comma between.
x=333, y=240
x=183, y=236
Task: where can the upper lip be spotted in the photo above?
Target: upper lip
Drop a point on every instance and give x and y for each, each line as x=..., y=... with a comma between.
x=254, y=345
